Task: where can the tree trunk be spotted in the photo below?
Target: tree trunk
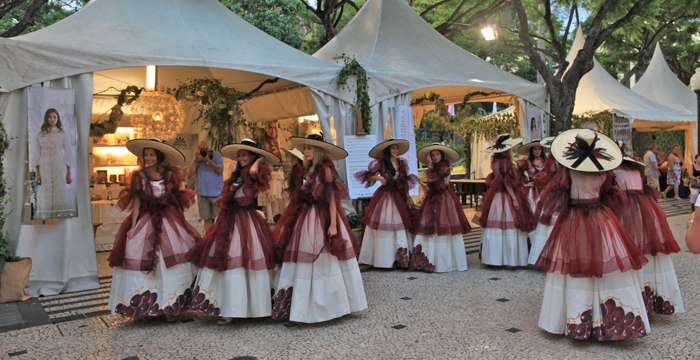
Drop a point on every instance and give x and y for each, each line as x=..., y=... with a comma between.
x=563, y=102
x=330, y=30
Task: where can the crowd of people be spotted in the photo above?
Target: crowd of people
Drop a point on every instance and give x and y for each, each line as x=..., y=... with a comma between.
x=574, y=205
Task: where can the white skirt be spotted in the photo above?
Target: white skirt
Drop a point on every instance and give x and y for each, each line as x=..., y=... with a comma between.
x=659, y=285
x=441, y=253
x=503, y=247
x=383, y=249
x=607, y=308
x=320, y=291
x=137, y=294
x=235, y=293
x=538, y=239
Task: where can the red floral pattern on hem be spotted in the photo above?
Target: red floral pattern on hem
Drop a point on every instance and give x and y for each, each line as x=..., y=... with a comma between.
x=145, y=305
x=402, y=258
x=282, y=304
x=419, y=260
x=615, y=324
x=199, y=303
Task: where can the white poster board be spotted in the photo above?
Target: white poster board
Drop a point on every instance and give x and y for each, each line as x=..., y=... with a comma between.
x=358, y=159
x=406, y=131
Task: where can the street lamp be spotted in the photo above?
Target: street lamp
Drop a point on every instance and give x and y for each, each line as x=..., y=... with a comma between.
x=695, y=84
x=489, y=34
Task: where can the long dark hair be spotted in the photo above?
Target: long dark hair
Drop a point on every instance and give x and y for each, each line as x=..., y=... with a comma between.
x=387, y=161
x=45, y=127
x=532, y=154
x=239, y=169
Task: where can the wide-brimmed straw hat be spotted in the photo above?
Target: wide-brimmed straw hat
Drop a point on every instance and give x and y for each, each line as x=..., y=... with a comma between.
x=626, y=157
x=378, y=151
x=451, y=155
x=503, y=143
x=231, y=151
x=294, y=152
x=173, y=156
x=525, y=149
x=547, y=142
x=332, y=151
x=586, y=150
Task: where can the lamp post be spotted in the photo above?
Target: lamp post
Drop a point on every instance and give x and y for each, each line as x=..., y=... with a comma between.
x=695, y=84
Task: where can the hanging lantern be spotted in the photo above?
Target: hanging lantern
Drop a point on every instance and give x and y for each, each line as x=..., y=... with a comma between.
x=157, y=114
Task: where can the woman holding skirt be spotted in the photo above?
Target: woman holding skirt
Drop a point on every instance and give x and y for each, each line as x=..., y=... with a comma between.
x=591, y=290
x=505, y=214
x=387, y=219
x=440, y=223
x=320, y=279
x=235, y=255
x=151, y=275
x=647, y=224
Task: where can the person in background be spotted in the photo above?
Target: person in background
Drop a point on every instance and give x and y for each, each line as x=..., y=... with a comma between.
x=675, y=169
x=663, y=170
x=694, y=191
x=652, y=168
x=208, y=166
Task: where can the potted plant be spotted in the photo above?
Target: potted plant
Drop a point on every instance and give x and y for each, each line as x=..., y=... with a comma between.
x=15, y=272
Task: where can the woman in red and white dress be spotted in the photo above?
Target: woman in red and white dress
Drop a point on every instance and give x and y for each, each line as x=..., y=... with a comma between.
x=505, y=215
x=591, y=290
x=647, y=224
x=235, y=255
x=320, y=279
x=440, y=223
x=532, y=162
x=543, y=224
x=285, y=223
x=387, y=241
x=151, y=275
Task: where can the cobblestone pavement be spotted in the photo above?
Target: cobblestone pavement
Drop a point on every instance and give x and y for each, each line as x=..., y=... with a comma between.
x=485, y=312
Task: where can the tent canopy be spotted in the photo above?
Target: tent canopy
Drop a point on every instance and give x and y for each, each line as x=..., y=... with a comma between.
x=598, y=91
x=403, y=53
x=108, y=34
x=659, y=84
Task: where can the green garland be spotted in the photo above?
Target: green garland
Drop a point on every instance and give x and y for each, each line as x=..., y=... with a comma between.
x=5, y=241
x=116, y=113
x=353, y=67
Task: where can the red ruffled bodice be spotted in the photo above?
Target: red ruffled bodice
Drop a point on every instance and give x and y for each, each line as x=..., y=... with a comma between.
x=393, y=192
x=497, y=209
x=153, y=210
x=441, y=212
x=240, y=237
x=643, y=217
x=588, y=240
x=303, y=235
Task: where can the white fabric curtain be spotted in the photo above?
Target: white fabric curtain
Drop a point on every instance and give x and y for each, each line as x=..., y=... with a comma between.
x=384, y=112
x=481, y=161
x=63, y=255
x=336, y=121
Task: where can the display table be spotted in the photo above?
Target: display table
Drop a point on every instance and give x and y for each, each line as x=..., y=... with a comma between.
x=107, y=213
x=469, y=189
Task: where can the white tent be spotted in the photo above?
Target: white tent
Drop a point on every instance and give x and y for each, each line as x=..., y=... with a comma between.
x=403, y=54
x=598, y=91
x=115, y=40
x=659, y=84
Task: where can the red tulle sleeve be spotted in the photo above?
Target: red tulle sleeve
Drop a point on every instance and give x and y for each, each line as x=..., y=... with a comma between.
x=262, y=183
x=180, y=197
x=436, y=174
x=131, y=192
x=411, y=179
x=554, y=199
x=373, y=169
x=328, y=177
x=522, y=164
x=296, y=179
x=611, y=195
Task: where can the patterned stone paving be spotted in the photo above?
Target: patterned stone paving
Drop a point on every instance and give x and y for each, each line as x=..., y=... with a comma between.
x=411, y=315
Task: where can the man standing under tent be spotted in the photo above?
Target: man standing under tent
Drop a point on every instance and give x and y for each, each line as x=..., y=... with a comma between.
x=208, y=166
x=652, y=170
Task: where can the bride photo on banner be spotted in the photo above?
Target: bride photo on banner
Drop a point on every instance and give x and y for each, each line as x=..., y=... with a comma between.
x=52, y=142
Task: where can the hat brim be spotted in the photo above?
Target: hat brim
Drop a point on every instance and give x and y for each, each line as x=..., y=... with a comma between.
x=547, y=142
x=173, y=156
x=451, y=155
x=565, y=139
x=509, y=144
x=231, y=152
x=525, y=149
x=378, y=151
x=295, y=153
x=629, y=159
x=332, y=151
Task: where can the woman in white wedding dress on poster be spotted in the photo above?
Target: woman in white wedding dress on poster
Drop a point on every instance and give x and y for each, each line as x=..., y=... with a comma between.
x=53, y=160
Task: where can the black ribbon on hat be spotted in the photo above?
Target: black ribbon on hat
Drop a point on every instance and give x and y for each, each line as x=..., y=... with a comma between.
x=249, y=142
x=581, y=150
x=500, y=142
x=318, y=137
